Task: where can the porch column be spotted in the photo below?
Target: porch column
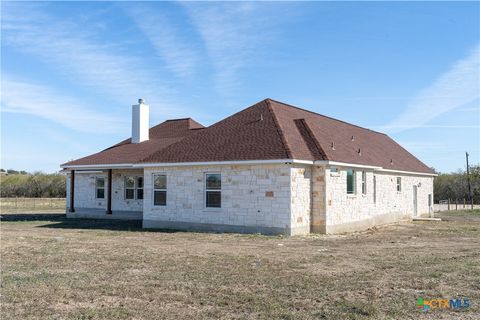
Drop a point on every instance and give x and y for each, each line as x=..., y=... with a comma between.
x=109, y=192
x=72, y=191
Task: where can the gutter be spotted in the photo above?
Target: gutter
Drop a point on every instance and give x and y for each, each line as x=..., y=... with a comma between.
x=183, y=164
x=374, y=168
x=239, y=162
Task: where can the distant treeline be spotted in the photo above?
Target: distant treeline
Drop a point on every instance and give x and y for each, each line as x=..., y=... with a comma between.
x=32, y=185
x=455, y=185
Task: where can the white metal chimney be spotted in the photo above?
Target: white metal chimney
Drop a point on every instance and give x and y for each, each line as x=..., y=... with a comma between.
x=140, y=122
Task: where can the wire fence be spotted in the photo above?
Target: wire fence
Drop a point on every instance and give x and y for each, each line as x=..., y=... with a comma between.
x=15, y=205
x=455, y=204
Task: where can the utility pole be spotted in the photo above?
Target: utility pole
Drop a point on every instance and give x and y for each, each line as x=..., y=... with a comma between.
x=468, y=178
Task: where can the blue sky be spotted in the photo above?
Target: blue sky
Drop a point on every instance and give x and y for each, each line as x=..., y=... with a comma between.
x=71, y=70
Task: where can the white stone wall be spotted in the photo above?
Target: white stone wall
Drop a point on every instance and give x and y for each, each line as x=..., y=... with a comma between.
x=252, y=195
x=276, y=198
x=318, y=216
x=300, y=199
x=358, y=211
x=85, y=196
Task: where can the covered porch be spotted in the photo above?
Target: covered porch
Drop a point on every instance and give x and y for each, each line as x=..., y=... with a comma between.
x=105, y=194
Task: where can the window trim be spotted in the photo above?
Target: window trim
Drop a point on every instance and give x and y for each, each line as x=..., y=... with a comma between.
x=354, y=182
x=206, y=190
x=125, y=188
x=364, y=182
x=96, y=187
x=138, y=188
x=159, y=189
x=135, y=187
x=399, y=184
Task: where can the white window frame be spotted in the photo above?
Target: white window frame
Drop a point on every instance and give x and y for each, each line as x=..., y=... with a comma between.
x=135, y=187
x=159, y=189
x=364, y=182
x=129, y=188
x=354, y=181
x=96, y=187
x=399, y=184
x=138, y=188
x=211, y=190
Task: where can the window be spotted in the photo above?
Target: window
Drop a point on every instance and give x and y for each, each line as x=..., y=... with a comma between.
x=213, y=190
x=129, y=188
x=159, y=190
x=364, y=182
x=134, y=188
x=399, y=184
x=351, y=181
x=333, y=169
x=100, y=188
x=139, y=188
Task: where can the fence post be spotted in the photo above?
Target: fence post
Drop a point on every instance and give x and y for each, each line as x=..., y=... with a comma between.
x=448, y=204
x=463, y=203
x=456, y=204
x=472, y=203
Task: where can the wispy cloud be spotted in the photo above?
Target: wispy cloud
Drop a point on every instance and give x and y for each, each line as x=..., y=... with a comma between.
x=455, y=88
x=38, y=100
x=234, y=35
x=73, y=49
x=175, y=50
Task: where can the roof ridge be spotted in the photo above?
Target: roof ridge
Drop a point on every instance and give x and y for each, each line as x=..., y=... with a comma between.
x=178, y=119
x=322, y=115
x=279, y=130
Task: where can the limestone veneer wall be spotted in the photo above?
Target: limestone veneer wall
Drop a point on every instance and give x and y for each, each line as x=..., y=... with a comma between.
x=350, y=212
x=255, y=198
x=85, y=197
x=301, y=182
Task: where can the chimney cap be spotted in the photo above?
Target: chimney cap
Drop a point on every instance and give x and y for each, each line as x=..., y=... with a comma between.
x=140, y=101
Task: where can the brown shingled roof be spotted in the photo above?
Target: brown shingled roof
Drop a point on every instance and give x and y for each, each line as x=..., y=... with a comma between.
x=267, y=130
x=125, y=152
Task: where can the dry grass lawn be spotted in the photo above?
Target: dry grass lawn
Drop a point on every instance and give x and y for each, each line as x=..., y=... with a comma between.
x=34, y=205
x=55, y=268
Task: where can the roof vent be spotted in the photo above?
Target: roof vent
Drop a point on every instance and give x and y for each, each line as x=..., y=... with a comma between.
x=359, y=151
x=261, y=117
x=353, y=138
x=391, y=162
x=333, y=145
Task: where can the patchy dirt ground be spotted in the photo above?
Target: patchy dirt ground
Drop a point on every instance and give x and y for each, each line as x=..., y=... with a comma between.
x=53, y=268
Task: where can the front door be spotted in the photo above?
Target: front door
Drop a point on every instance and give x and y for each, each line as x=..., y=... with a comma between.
x=414, y=201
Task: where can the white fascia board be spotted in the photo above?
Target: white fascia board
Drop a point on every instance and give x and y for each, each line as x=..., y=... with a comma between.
x=217, y=163
x=88, y=171
x=409, y=172
x=99, y=166
x=345, y=164
x=381, y=169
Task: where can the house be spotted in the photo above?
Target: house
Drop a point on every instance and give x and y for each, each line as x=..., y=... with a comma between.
x=271, y=168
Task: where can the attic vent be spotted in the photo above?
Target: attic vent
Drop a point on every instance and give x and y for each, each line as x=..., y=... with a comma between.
x=359, y=151
x=353, y=138
x=333, y=145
